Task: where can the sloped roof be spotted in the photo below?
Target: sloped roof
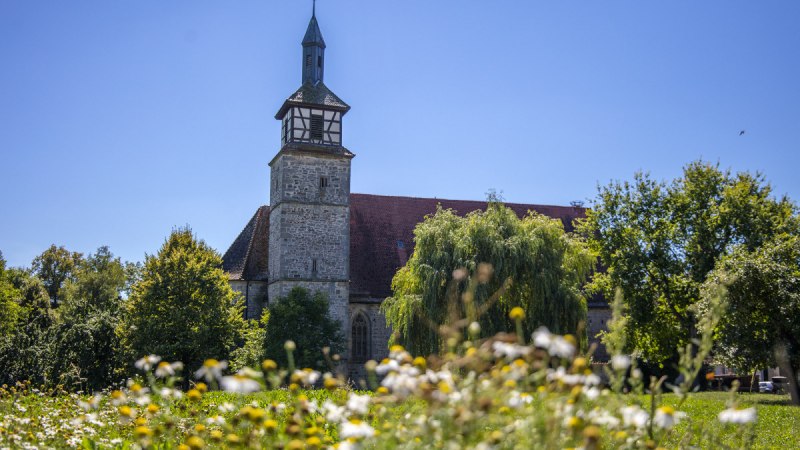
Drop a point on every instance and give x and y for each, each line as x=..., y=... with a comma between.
x=381, y=237
x=313, y=94
x=313, y=35
x=248, y=256
x=382, y=234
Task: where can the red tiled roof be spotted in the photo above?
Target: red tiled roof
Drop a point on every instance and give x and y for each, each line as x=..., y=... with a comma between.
x=382, y=234
x=381, y=237
x=248, y=256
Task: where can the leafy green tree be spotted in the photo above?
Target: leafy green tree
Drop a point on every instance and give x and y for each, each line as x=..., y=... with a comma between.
x=23, y=352
x=762, y=326
x=251, y=353
x=54, y=267
x=183, y=308
x=9, y=308
x=503, y=261
x=85, y=349
x=659, y=241
x=304, y=318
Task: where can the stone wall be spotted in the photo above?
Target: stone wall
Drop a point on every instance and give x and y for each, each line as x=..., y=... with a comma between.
x=309, y=242
x=255, y=296
x=296, y=178
x=597, y=321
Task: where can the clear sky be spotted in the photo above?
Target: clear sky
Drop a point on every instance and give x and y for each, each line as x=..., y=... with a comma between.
x=120, y=120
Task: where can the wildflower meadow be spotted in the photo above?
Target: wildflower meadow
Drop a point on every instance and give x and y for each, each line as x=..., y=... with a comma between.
x=501, y=392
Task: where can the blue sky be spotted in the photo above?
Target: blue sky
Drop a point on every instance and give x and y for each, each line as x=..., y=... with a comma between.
x=121, y=120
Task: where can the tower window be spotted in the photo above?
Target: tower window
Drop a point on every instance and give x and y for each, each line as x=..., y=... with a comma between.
x=316, y=127
x=313, y=266
x=359, y=339
x=323, y=182
x=308, y=60
x=319, y=61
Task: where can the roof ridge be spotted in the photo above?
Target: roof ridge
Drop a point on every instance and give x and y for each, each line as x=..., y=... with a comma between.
x=464, y=200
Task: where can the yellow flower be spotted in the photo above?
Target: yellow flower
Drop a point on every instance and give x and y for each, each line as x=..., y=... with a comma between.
x=125, y=411
x=331, y=383
x=141, y=421
x=183, y=447
x=202, y=387
x=516, y=313
x=152, y=408
x=592, y=433
x=195, y=443
x=142, y=432
x=216, y=435
x=269, y=365
x=199, y=428
x=420, y=362
x=270, y=425
x=194, y=395
x=574, y=422
x=294, y=444
x=233, y=439
x=313, y=441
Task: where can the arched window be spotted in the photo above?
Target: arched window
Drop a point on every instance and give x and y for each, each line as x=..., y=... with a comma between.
x=360, y=338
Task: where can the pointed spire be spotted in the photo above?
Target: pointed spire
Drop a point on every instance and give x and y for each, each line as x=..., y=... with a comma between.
x=313, y=51
x=313, y=34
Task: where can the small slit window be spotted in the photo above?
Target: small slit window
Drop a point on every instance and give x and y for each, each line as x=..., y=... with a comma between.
x=308, y=60
x=319, y=61
x=313, y=266
x=323, y=182
x=316, y=127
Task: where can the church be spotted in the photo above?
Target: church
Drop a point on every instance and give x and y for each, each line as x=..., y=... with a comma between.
x=318, y=235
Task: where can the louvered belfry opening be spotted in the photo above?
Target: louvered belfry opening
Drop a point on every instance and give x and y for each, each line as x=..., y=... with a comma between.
x=360, y=341
x=316, y=127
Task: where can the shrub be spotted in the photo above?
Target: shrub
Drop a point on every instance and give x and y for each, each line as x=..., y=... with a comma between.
x=303, y=318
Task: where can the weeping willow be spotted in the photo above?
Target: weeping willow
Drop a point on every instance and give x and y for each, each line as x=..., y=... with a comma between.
x=480, y=266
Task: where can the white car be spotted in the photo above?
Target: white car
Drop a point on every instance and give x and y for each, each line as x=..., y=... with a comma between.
x=765, y=386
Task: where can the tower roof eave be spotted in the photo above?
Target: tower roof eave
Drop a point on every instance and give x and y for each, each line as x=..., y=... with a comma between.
x=315, y=96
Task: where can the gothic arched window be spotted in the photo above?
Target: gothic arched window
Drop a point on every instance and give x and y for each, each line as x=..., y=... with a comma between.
x=360, y=338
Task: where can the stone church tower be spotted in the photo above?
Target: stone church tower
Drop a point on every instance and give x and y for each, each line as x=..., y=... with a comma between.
x=309, y=224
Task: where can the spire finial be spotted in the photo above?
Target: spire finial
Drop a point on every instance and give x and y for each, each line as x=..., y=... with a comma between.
x=314, y=8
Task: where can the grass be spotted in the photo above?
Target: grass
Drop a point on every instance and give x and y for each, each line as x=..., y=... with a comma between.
x=46, y=420
x=778, y=424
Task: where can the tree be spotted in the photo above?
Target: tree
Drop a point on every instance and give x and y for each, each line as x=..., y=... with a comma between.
x=85, y=349
x=535, y=265
x=23, y=352
x=183, y=308
x=304, y=318
x=762, y=326
x=659, y=241
x=54, y=267
x=251, y=353
x=9, y=308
